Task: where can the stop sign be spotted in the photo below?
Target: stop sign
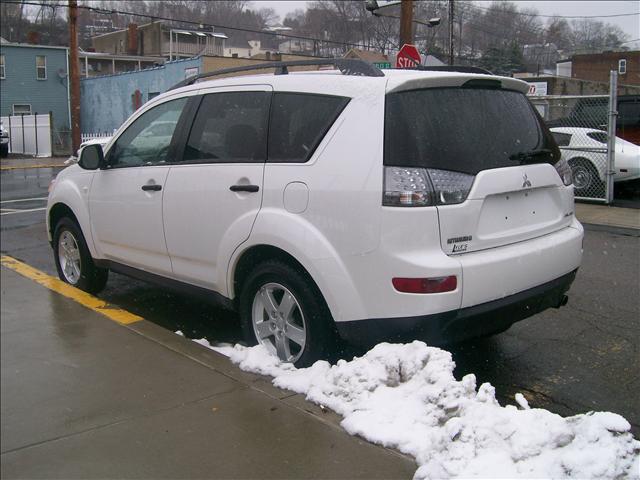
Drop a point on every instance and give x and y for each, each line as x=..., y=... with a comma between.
x=408, y=57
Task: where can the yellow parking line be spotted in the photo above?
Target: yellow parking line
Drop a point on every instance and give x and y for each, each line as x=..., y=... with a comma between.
x=22, y=167
x=113, y=313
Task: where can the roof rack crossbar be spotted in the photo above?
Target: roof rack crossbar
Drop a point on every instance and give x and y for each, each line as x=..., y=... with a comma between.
x=347, y=66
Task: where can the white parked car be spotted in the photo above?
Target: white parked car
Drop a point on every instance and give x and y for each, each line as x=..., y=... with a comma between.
x=4, y=141
x=585, y=151
x=378, y=206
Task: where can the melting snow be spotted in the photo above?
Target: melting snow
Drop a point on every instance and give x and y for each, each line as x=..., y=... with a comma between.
x=405, y=396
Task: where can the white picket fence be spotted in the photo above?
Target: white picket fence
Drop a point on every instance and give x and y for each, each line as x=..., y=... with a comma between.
x=91, y=136
x=29, y=134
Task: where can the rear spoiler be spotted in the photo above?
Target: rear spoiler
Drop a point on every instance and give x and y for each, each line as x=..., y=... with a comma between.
x=450, y=78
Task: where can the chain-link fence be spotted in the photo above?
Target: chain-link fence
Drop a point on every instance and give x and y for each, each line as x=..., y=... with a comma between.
x=579, y=125
x=61, y=142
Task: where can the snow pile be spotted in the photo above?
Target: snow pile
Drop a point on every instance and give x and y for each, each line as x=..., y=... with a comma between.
x=405, y=396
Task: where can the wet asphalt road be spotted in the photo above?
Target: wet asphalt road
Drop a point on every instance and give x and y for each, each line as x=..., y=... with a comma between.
x=582, y=357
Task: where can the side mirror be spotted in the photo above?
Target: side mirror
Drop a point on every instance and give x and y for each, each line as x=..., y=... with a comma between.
x=91, y=157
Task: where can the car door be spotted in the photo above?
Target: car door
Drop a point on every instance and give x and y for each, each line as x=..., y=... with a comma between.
x=125, y=200
x=214, y=192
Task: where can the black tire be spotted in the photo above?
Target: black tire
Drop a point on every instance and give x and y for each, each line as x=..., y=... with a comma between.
x=318, y=323
x=4, y=150
x=586, y=180
x=91, y=278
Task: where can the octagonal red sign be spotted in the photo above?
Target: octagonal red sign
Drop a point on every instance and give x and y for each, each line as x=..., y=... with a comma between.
x=408, y=57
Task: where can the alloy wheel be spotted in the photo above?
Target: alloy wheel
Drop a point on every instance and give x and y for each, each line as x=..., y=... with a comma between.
x=278, y=322
x=69, y=257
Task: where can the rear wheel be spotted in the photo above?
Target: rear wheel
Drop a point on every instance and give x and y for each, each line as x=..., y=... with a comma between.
x=281, y=309
x=4, y=150
x=586, y=180
x=73, y=259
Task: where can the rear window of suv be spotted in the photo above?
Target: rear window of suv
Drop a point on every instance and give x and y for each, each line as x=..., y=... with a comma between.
x=463, y=129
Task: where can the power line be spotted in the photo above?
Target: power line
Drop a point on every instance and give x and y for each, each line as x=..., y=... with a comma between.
x=527, y=14
x=110, y=11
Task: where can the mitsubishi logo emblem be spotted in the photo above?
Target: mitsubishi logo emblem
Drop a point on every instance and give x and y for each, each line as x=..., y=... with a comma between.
x=525, y=181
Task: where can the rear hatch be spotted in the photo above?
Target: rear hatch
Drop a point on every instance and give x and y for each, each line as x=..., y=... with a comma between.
x=481, y=155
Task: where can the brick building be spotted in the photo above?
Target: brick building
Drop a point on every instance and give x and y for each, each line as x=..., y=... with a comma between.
x=596, y=67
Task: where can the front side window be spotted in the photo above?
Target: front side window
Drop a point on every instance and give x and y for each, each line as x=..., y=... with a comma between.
x=2, y=72
x=601, y=137
x=41, y=67
x=299, y=122
x=465, y=130
x=230, y=127
x=147, y=140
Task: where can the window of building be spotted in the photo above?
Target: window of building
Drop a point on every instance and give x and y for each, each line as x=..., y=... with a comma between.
x=21, y=109
x=622, y=66
x=41, y=67
x=2, y=73
x=230, y=127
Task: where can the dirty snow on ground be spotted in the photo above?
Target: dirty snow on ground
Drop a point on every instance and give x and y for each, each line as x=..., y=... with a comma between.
x=405, y=396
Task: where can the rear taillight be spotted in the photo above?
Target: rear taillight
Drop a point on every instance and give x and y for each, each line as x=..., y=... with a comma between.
x=564, y=170
x=451, y=187
x=425, y=285
x=407, y=187
x=422, y=187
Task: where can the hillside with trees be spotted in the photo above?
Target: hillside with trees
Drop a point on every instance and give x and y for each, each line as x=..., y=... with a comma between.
x=501, y=36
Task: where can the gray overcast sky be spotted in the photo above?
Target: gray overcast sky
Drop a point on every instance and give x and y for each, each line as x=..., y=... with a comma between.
x=631, y=25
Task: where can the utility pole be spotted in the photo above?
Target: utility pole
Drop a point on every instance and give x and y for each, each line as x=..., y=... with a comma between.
x=74, y=75
x=406, y=22
x=451, y=8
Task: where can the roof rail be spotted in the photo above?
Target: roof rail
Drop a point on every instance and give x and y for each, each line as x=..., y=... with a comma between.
x=452, y=68
x=347, y=66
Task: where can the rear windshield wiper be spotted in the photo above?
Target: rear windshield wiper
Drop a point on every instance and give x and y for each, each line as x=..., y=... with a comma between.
x=531, y=154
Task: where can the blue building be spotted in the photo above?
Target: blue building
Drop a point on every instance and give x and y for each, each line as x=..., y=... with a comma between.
x=107, y=101
x=34, y=79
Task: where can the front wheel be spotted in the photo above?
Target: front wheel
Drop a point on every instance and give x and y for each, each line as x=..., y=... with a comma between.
x=73, y=260
x=281, y=309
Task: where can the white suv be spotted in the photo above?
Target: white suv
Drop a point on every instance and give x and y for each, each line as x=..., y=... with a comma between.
x=381, y=206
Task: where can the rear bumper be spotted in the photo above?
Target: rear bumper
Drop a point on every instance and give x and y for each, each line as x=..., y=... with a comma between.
x=453, y=326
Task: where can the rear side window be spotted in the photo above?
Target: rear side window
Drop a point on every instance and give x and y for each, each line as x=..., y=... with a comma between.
x=464, y=129
x=299, y=122
x=562, y=139
x=229, y=127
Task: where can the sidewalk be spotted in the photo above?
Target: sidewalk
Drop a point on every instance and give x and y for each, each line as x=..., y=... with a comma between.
x=84, y=397
x=32, y=162
x=593, y=214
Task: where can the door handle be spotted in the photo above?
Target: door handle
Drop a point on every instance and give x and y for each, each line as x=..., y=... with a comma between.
x=244, y=188
x=152, y=187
